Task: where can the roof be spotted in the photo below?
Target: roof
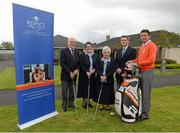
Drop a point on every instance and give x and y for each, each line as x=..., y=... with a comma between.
x=134, y=40
x=61, y=42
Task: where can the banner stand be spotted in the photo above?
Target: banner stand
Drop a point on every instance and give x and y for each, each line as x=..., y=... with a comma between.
x=33, y=51
x=33, y=122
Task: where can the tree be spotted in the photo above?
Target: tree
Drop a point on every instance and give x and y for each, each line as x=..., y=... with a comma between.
x=7, y=45
x=168, y=39
x=165, y=40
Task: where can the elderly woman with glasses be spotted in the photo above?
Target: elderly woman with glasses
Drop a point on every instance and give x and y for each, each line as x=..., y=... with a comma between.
x=105, y=80
x=87, y=64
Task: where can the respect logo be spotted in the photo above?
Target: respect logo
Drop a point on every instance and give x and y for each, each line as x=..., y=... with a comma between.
x=35, y=23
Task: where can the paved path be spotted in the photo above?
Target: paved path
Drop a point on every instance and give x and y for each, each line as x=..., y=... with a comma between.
x=8, y=97
x=160, y=81
x=4, y=64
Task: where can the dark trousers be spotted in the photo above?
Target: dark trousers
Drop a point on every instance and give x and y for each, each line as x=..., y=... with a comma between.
x=67, y=94
x=145, y=83
x=119, y=80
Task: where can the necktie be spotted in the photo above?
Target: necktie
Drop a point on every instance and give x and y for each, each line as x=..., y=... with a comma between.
x=72, y=52
x=123, y=51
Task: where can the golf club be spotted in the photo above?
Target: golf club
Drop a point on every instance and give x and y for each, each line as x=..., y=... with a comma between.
x=98, y=101
x=75, y=98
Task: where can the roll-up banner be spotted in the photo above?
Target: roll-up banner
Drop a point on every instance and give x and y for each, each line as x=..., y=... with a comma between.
x=33, y=49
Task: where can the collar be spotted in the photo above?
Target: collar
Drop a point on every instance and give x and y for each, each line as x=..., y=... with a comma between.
x=147, y=42
x=125, y=48
x=89, y=54
x=70, y=48
x=106, y=60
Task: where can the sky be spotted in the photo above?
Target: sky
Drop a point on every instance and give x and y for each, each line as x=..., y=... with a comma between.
x=92, y=20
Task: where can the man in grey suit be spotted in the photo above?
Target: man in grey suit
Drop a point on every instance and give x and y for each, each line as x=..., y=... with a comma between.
x=69, y=61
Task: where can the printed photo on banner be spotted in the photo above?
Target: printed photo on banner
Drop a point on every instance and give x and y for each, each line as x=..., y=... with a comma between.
x=36, y=72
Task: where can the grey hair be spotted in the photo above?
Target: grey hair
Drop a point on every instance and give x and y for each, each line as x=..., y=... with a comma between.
x=106, y=48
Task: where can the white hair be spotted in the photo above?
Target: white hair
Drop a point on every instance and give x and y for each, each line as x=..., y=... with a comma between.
x=106, y=48
x=71, y=38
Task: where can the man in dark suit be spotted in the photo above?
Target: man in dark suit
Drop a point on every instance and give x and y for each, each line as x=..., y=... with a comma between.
x=69, y=59
x=124, y=54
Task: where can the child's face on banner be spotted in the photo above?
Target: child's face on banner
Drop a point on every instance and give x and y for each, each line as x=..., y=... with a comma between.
x=38, y=76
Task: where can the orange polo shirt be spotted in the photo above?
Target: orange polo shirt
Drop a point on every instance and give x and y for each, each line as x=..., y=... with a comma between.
x=146, y=56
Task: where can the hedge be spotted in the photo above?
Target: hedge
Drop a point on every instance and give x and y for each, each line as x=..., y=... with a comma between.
x=168, y=61
x=168, y=66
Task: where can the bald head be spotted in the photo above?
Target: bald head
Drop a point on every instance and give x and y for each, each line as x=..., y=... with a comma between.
x=71, y=42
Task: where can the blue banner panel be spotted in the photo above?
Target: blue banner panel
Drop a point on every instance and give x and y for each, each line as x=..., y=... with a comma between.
x=33, y=49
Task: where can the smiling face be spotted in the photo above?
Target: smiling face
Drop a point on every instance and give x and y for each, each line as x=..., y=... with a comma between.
x=145, y=37
x=89, y=48
x=71, y=42
x=124, y=41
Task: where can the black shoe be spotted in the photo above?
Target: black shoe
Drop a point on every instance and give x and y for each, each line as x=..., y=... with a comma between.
x=64, y=110
x=143, y=117
x=85, y=106
x=72, y=106
x=90, y=105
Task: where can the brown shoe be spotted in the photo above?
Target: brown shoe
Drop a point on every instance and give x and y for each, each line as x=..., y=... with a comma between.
x=101, y=107
x=107, y=107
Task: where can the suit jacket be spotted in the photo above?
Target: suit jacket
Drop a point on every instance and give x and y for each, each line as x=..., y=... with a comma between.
x=83, y=84
x=110, y=69
x=130, y=54
x=68, y=63
x=84, y=62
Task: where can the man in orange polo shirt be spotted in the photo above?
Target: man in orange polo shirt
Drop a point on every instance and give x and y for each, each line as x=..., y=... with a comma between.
x=145, y=59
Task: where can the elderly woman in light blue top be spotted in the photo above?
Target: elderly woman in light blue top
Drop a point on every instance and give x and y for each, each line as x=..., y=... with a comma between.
x=105, y=69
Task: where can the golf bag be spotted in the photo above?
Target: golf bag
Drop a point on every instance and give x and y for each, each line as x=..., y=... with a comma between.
x=128, y=98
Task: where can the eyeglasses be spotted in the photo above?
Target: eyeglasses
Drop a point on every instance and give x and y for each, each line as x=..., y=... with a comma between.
x=72, y=41
x=88, y=46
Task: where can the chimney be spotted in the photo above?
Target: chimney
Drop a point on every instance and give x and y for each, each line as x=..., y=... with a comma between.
x=107, y=37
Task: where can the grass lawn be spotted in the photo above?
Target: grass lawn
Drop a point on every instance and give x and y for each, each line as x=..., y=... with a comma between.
x=7, y=77
x=57, y=71
x=8, y=82
x=164, y=116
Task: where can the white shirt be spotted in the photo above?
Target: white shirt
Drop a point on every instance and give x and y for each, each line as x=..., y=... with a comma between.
x=147, y=42
x=90, y=58
x=105, y=64
x=71, y=49
x=125, y=48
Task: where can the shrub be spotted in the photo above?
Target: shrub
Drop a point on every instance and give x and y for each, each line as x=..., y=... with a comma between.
x=168, y=61
x=158, y=61
x=157, y=66
x=168, y=66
